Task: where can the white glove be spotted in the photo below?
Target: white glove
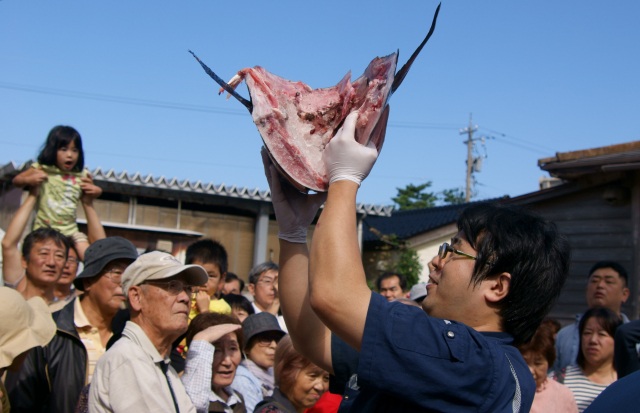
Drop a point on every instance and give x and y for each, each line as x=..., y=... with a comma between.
x=294, y=210
x=345, y=158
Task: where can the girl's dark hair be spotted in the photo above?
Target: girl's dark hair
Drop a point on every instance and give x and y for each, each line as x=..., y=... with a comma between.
x=609, y=321
x=204, y=320
x=59, y=137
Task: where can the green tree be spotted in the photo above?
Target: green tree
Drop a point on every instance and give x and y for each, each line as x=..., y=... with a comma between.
x=399, y=257
x=453, y=196
x=409, y=265
x=414, y=197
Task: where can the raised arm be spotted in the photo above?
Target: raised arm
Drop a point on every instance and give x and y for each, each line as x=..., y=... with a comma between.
x=197, y=377
x=12, y=270
x=294, y=213
x=339, y=292
x=90, y=191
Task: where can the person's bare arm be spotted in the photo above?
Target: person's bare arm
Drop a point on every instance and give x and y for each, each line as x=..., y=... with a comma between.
x=294, y=213
x=90, y=191
x=339, y=293
x=30, y=177
x=11, y=256
x=309, y=335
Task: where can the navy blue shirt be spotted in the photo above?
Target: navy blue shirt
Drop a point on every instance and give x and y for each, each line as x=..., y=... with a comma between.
x=412, y=362
x=621, y=396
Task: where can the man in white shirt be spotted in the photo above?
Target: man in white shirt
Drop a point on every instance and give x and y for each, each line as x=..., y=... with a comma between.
x=263, y=286
x=135, y=374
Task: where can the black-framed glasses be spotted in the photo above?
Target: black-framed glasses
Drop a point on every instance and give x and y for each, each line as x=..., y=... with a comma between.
x=174, y=287
x=445, y=249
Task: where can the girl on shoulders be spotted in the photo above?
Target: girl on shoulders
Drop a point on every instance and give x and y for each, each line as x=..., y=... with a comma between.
x=63, y=182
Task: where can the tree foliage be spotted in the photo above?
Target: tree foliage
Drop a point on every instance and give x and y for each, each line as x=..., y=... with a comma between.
x=409, y=264
x=397, y=256
x=454, y=196
x=416, y=197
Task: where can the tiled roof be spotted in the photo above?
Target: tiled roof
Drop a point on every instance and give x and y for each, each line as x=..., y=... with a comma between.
x=406, y=224
x=619, y=157
x=199, y=187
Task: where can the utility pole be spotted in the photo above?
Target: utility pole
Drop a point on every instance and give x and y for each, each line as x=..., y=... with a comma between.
x=469, y=142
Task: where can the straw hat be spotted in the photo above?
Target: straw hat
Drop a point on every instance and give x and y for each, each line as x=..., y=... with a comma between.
x=25, y=324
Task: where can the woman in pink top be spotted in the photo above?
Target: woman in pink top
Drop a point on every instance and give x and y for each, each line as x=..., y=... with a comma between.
x=540, y=353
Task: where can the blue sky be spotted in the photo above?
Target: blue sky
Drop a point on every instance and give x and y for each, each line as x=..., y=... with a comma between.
x=538, y=78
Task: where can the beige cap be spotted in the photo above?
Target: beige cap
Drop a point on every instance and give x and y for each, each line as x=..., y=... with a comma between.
x=25, y=324
x=157, y=265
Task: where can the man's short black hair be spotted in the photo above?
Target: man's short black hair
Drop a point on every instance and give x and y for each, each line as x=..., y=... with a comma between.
x=622, y=272
x=44, y=234
x=233, y=277
x=239, y=301
x=385, y=275
x=509, y=239
x=208, y=251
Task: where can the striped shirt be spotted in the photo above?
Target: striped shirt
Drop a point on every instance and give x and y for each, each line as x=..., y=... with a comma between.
x=584, y=390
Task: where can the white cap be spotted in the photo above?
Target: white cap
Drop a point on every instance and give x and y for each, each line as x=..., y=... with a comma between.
x=418, y=291
x=157, y=265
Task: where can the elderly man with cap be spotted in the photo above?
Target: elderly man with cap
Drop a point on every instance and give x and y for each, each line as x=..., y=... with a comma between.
x=254, y=376
x=25, y=324
x=135, y=375
x=52, y=377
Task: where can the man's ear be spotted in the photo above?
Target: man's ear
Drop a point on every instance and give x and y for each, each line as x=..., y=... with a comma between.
x=136, y=296
x=625, y=295
x=251, y=288
x=498, y=287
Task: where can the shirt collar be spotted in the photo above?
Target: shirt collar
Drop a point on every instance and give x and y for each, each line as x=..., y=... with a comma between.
x=233, y=399
x=79, y=317
x=136, y=334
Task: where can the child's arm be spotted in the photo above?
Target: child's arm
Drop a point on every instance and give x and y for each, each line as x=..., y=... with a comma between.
x=11, y=256
x=30, y=177
x=95, y=230
x=202, y=301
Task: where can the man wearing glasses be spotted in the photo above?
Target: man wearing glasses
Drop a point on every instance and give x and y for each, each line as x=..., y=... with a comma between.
x=135, y=374
x=488, y=291
x=263, y=286
x=52, y=377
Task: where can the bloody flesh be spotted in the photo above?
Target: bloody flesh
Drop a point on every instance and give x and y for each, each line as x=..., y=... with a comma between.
x=296, y=122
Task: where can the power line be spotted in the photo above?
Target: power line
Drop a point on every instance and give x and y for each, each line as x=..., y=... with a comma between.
x=120, y=99
x=534, y=146
x=180, y=106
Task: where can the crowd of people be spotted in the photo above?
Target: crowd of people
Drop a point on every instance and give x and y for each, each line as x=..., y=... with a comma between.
x=148, y=333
